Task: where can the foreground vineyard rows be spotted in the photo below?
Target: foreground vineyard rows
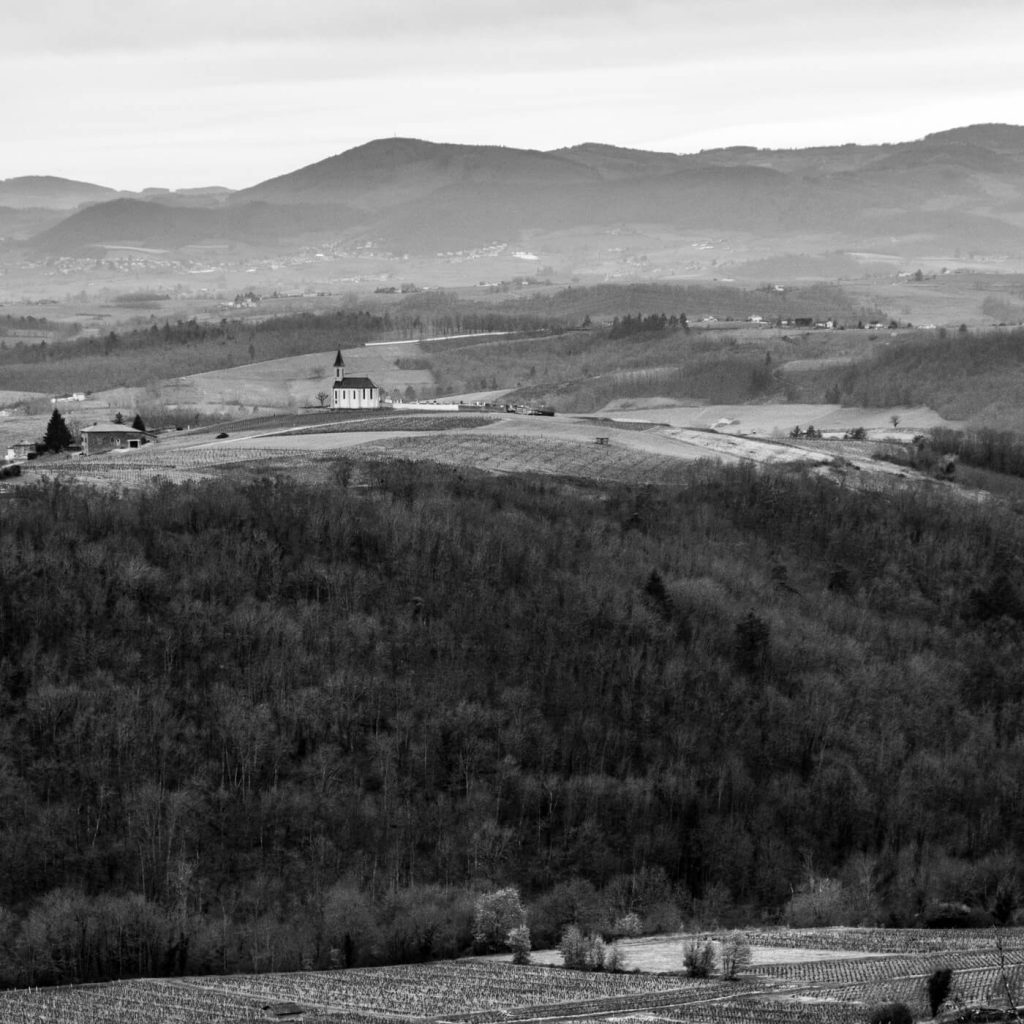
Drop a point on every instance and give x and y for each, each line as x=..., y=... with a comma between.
x=804, y=991
x=509, y=454
x=176, y=466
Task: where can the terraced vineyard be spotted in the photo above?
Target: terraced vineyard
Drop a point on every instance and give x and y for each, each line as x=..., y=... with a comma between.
x=890, y=940
x=815, y=987
x=132, y=469
x=423, y=421
x=507, y=453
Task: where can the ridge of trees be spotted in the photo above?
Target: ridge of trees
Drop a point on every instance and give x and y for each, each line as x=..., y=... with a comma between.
x=721, y=300
x=629, y=326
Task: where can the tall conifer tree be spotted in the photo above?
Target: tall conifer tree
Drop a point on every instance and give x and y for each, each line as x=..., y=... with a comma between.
x=57, y=436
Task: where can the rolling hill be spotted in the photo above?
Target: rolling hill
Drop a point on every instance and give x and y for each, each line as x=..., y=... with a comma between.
x=136, y=222
x=961, y=189
x=50, y=193
x=388, y=172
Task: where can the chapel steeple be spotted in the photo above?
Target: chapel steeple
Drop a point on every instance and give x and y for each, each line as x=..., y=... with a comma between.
x=339, y=367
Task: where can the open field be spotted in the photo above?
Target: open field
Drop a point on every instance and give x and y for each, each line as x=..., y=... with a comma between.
x=779, y=418
x=831, y=976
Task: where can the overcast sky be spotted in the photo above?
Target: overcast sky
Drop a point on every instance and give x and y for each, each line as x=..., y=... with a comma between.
x=180, y=93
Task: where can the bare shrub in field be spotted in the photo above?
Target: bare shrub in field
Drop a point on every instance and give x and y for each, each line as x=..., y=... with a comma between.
x=518, y=941
x=613, y=958
x=736, y=955
x=588, y=952
x=699, y=958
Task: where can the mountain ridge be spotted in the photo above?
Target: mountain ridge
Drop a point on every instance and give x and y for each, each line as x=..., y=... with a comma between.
x=961, y=188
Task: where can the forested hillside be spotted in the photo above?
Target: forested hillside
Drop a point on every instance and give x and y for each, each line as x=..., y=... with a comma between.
x=962, y=374
x=247, y=726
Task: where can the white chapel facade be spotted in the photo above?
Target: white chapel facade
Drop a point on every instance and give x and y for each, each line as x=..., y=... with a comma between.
x=352, y=392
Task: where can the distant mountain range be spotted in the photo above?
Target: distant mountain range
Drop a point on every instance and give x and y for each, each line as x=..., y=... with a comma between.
x=957, y=189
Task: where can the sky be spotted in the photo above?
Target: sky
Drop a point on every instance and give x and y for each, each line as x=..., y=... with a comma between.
x=186, y=93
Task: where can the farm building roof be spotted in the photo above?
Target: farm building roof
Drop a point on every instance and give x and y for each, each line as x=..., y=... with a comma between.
x=111, y=428
x=355, y=382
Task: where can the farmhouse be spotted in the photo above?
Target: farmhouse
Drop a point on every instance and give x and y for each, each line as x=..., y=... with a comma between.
x=105, y=437
x=21, y=450
x=352, y=392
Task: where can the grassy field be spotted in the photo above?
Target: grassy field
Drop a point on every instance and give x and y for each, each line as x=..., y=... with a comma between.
x=812, y=976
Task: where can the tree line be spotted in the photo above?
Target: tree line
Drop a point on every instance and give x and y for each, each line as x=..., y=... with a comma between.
x=255, y=725
x=629, y=325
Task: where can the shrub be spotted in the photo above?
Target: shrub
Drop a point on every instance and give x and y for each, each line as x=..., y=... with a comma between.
x=629, y=925
x=573, y=949
x=699, y=959
x=587, y=952
x=891, y=1013
x=519, y=942
x=594, y=951
x=939, y=984
x=613, y=960
x=818, y=903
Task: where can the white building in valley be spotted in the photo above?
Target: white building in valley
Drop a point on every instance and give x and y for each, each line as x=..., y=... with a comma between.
x=352, y=392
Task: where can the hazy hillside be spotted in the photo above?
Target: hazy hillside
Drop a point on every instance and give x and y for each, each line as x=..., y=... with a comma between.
x=390, y=171
x=613, y=162
x=51, y=193
x=21, y=223
x=136, y=222
x=957, y=190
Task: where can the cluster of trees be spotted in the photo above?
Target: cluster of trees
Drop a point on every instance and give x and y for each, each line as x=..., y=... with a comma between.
x=1001, y=451
x=260, y=725
x=588, y=952
x=629, y=326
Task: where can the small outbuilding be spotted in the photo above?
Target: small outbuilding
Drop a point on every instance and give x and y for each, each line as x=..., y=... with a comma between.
x=21, y=450
x=106, y=437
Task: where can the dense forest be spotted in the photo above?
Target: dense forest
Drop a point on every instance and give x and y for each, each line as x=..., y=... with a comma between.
x=254, y=725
